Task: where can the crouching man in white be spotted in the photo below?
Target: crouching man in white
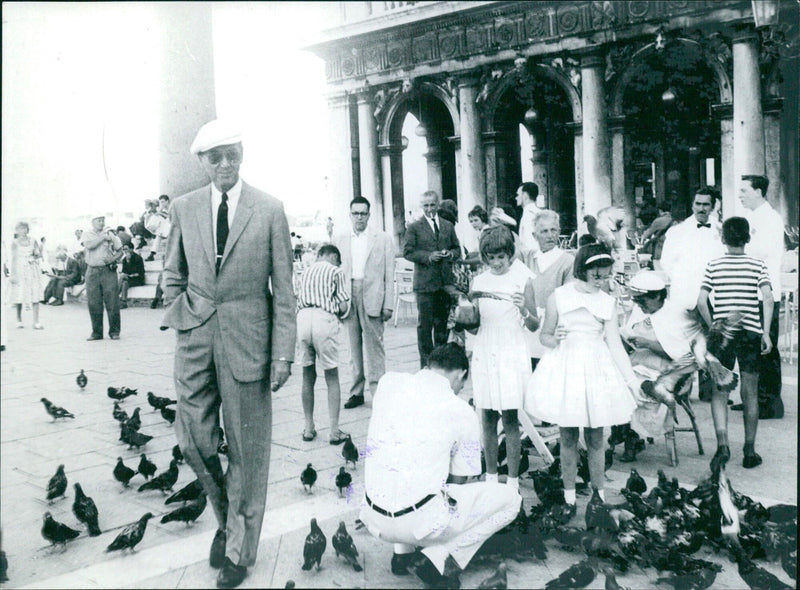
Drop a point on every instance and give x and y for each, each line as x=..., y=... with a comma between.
x=423, y=446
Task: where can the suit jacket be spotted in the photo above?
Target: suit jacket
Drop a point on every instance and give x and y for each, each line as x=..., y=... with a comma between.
x=378, y=271
x=134, y=266
x=420, y=243
x=253, y=291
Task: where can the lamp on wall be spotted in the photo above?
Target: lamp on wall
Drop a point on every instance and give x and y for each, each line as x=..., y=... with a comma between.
x=531, y=122
x=765, y=12
x=668, y=96
x=420, y=129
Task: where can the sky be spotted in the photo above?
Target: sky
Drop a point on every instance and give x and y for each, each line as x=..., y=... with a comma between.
x=80, y=115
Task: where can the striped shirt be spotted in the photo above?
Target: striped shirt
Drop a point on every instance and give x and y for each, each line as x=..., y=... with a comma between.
x=735, y=281
x=322, y=285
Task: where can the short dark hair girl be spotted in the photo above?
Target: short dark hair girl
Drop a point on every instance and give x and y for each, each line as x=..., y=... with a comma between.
x=589, y=257
x=480, y=213
x=497, y=240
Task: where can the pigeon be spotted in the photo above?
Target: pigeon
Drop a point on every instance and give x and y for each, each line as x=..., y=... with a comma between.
x=289, y=584
x=499, y=579
x=121, y=393
x=164, y=480
x=57, y=486
x=349, y=451
x=157, y=402
x=168, y=414
x=314, y=546
x=119, y=414
x=757, y=578
x=343, y=480
x=85, y=510
x=343, y=545
x=81, y=379
x=636, y=483
x=55, y=411
x=131, y=535
x=598, y=515
x=135, y=421
x=188, y=493
x=578, y=575
x=695, y=579
x=57, y=533
x=308, y=477
x=136, y=439
x=568, y=536
x=123, y=473
x=187, y=513
x=222, y=446
x=177, y=454
x=611, y=580
x=146, y=467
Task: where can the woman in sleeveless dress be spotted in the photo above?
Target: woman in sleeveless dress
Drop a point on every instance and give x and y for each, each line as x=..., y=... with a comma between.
x=25, y=274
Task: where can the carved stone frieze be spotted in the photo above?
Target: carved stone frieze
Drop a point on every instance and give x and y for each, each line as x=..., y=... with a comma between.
x=570, y=66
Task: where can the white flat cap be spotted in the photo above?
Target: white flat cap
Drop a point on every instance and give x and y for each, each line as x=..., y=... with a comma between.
x=97, y=215
x=215, y=133
x=647, y=281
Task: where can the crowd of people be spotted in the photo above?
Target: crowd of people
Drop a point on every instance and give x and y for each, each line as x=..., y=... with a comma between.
x=538, y=327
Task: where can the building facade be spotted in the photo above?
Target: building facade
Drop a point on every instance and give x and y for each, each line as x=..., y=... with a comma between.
x=621, y=102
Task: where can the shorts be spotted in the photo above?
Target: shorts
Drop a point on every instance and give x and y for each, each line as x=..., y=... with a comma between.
x=746, y=346
x=318, y=336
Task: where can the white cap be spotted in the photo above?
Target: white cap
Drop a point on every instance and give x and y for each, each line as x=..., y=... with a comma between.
x=647, y=281
x=215, y=133
x=98, y=215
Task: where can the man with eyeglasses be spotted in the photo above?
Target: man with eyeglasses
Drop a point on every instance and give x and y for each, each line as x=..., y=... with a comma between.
x=228, y=287
x=368, y=263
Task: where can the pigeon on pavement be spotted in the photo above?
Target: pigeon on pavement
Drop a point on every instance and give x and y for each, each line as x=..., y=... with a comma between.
x=146, y=467
x=136, y=439
x=135, y=421
x=81, y=379
x=131, y=535
x=157, y=402
x=85, y=510
x=343, y=545
x=121, y=393
x=57, y=486
x=123, y=473
x=164, y=480
x=177, y=454
x=188, y=493
x=498, y=580
x=119, y=414
x=636, y=483
x=308, y=477
x=188, y=513
x=343, y=480
x=314, y=546
x=57, y=533
x=55, y=411
x=168, y=414
x=349, y=452
x=578, y=575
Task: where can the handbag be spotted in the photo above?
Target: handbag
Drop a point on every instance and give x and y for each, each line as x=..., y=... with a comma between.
x=467, y=315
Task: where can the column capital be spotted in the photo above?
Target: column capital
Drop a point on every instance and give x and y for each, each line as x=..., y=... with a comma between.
x=616, y=123
x=364, y=95
x=722, y=110
x=745, y=33
x=390, y=149
x=467, y=81
x=772, y=105
x=337, y=99
x=592, y=57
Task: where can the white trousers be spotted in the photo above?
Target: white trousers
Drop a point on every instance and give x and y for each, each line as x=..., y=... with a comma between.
x=481, y=509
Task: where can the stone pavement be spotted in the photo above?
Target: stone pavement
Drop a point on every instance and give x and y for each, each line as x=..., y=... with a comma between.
x=45, y=363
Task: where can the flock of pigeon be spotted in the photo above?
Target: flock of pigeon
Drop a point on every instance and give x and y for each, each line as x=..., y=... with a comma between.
x=191, y=498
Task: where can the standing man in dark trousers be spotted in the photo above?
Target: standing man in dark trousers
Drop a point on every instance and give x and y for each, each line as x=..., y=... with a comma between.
x=228, y=287
x=431, y=244
x=766, y=243
x=103, y=250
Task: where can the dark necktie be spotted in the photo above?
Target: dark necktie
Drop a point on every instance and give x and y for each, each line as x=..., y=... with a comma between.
x=222, y=228
x=699, y=225
x=435, y=228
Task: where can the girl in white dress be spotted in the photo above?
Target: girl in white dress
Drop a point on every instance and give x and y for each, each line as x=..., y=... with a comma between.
x=25, y=273
x=500, y=364
x=585, y=378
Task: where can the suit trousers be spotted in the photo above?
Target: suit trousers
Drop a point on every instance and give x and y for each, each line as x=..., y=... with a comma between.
x=481, y=509
x=102, y=290
x=366, y=338
x=770, y=404
x=203, y=382
x=432, y=311
x=55, y=288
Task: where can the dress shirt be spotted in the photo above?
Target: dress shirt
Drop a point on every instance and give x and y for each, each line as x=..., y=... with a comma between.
x=418, y=433
x=545, y=259
x=687, y=249
x=529, y=242
x=438, y=221
x=359, y=253
x=766, y=242
x=216, y=198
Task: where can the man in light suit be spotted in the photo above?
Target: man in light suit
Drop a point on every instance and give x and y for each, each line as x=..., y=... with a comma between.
x=228, y=287
x=368, y=262
x=431, y=244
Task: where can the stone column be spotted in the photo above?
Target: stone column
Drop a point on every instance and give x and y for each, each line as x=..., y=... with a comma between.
x=619, y=197
x=727, y=183
x=186, y=92
x=580, y=208
x=493, y=150
x=596, y=157
x=776, y=194
x=748, y=120
x=434, y=167
x=393, y=201
x=368, y=158
x=473, y=180
x=340, y=173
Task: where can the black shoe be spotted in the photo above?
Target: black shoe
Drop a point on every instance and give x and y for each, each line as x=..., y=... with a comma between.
x=216, y=557
x=123, y=305
x=94, y=337
x=400, y=563
x=154, y=304
x=230, y=576
x=428, y=573
x=737, y=407
x=751, y=461
x=720, y=458
x=633, y=444
x=354, y=402
x=57, y=302
x=151, y=257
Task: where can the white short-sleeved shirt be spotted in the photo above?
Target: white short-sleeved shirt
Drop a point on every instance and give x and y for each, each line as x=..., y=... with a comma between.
x=419, y=432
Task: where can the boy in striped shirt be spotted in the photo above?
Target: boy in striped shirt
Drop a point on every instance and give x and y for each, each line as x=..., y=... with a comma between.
x=735, y=280
x=322, y=299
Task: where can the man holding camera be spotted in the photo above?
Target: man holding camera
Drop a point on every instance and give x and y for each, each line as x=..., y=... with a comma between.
x=103, y=251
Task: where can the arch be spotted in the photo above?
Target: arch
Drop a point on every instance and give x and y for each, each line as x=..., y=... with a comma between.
x=399, y=107
x=509, y=79
x=722, y=78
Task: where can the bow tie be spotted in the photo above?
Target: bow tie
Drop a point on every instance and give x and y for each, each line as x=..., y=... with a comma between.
x=703, y=225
